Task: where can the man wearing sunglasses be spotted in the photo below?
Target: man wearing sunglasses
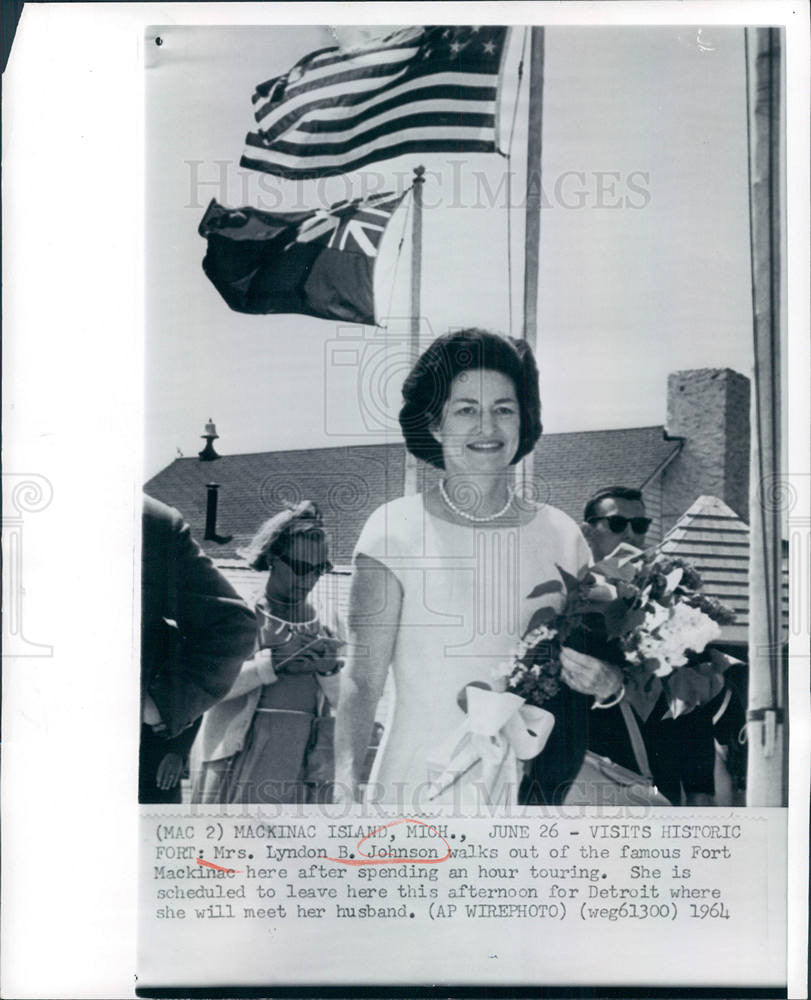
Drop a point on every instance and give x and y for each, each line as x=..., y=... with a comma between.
x=681, y=751
x=613, y=515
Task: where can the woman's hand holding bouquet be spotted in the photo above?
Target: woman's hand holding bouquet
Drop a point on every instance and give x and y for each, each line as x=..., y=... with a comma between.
x=642, y=611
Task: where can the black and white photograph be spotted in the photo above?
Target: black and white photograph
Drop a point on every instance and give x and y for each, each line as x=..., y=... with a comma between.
x=468, y=564
x=493, y=533
x=453, y=375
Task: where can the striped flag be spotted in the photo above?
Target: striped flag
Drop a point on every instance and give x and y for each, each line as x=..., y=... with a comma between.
x=338, y=110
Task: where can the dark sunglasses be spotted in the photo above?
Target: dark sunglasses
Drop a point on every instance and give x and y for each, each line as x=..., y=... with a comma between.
x=618, y=524
x=302, y=568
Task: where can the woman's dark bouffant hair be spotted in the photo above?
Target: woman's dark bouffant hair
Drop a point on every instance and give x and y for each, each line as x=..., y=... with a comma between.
x=428, y=386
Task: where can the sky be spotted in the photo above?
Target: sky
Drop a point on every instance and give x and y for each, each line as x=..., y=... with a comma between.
x=644, y=256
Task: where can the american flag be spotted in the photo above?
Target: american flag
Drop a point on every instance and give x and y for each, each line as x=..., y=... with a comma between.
x=337, y=110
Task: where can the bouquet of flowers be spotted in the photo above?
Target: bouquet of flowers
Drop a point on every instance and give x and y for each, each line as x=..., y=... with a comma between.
x=643, y=611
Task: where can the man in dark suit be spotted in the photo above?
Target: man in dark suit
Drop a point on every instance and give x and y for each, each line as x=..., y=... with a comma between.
x=588, y=709
x=195, y=634
x=680, y=752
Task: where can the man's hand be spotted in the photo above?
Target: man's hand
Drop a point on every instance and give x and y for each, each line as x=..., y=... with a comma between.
x=169, y=771
x=588, y=675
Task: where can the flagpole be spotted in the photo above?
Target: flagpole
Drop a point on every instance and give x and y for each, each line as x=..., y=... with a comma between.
x=766, y=767
x=532, y=232
x=410, y=485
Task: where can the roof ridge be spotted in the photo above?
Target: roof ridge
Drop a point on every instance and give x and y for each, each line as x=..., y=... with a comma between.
x=185, y=459
x=607, y=430
x=282, y=451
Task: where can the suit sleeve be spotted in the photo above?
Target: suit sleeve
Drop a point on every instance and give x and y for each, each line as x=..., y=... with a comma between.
x=216, y=629
x=697, y=760
x=181, y=743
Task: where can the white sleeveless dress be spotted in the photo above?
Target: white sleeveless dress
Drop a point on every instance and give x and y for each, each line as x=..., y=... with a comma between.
x=465, y=606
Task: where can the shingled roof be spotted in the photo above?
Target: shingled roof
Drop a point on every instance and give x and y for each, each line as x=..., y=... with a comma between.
x=348, y=483
x=571, y=467
x=715, y=540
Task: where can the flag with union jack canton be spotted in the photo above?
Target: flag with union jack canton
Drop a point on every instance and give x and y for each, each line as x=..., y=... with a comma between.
x=318, y=262
x=337, y=110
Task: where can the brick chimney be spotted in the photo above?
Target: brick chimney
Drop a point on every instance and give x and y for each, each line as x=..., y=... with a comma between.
x=709, y=409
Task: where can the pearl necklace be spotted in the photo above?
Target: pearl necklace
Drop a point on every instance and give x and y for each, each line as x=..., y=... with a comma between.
x=284, y=623
x=473, y=517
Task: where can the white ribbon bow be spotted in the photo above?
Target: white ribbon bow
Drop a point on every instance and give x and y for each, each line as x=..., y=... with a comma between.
x=499, y=729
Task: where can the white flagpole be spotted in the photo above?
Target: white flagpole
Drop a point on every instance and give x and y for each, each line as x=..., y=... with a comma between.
x=766, y=775
x=410, y=485
x=532, y=236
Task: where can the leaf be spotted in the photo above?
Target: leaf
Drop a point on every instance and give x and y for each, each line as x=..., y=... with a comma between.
x=626, y=572
x=570, y=582
x=689, y=687
x=612, y=569
x=627, y=591
x=615, y=615
x=605, y=567
x=540, y=617
x=634, y=619
x=650, y=681
x=595, y=607
x=721, y=661
x=549, y=587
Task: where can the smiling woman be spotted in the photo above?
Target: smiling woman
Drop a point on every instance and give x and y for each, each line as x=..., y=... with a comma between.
x=435, y=389
x=441, y=582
